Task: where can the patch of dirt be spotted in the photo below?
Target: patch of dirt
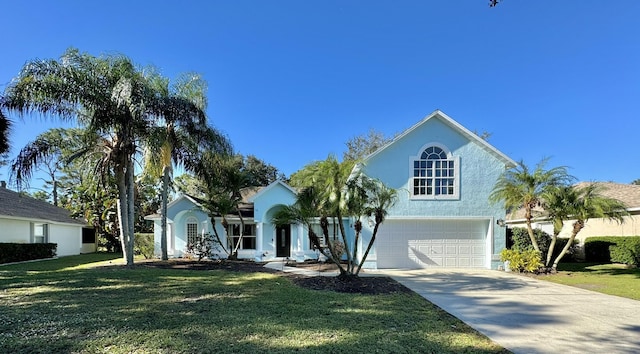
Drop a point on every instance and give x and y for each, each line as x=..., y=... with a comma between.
x=359, y=285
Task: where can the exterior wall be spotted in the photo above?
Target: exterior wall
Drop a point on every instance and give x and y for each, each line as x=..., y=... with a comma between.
x=479, y=170
x=68, y=238
x=263, y=203
x=15, y=231
x=180, y=228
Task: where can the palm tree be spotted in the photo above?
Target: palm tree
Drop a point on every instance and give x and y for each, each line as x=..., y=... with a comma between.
x=5, y=126
x=183, y=132
x=305, y=211
x=224, y=179
x=380, y=199
x=519, y=187
x=108, y=95
x=333, y=192
x=581, y=203
x=45, y=151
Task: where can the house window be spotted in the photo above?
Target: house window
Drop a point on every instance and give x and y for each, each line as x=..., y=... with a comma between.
x=192, y=230
x=40, y=233
x=334, y=234
x=435, y=175
x=248, y=236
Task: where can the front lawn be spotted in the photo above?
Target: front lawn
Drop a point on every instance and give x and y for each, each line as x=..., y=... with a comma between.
x=612, y=279
x=66, y=305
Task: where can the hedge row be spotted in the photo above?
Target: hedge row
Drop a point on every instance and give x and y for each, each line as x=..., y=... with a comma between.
x=521, y=241
x=616, y=249
x=143, y=244
x=20, y=252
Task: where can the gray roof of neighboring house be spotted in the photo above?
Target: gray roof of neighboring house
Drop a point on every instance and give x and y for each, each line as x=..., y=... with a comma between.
x=14, y=204
x=629, y=194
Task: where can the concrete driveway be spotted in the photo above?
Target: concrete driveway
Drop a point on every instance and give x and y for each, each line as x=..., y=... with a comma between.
x=526, y=315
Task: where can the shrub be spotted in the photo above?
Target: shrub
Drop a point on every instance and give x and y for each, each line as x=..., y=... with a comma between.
x=521, y=241
x=20, y=252
x=203, y=247
x=616, y=249
x=528, y=261
x=143, y=244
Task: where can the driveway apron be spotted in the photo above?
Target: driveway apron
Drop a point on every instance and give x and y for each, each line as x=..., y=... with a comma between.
x=526, y=315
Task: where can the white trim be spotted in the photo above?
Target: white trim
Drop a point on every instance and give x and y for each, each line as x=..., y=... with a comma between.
x=456, y=126
x=418, y=217
x=456, y=175
x=42, y=221
x=269, y=187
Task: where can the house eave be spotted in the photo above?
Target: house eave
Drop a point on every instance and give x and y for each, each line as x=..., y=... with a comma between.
x=456, y=126
x=44, y=221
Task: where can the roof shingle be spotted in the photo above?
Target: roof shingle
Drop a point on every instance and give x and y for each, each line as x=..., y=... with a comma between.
x=14, y=204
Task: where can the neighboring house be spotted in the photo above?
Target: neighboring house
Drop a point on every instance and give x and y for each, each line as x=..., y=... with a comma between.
x=629, y=194
x=443, y=173
x=27, y=220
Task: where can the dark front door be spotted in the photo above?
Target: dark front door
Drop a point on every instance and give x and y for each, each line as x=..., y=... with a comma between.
x=283, y=241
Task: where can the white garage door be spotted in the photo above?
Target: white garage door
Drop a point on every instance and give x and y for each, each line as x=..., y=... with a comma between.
x=432, y=243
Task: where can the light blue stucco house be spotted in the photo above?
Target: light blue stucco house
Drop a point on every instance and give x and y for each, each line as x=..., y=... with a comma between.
x=444, y=174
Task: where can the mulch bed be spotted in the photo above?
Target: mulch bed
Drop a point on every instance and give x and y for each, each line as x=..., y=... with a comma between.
x=360, y=285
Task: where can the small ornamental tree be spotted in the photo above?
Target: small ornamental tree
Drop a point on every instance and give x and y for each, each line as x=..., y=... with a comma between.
x=203, y=246
x=335, y=191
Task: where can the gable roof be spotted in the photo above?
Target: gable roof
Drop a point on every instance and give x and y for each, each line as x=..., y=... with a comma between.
x=16, y=205
x=264, y=190
x=438, y=114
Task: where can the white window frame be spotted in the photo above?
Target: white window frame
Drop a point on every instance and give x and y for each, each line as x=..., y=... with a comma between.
x=191, y=238
x=334, y=233
x=456, y=175
x=36, y=236
x=234, y=233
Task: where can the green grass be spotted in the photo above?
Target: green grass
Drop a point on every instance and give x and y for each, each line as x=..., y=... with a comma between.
x=90, y=304
x=612, y=279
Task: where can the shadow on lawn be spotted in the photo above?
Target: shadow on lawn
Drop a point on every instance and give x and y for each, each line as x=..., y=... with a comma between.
x=599, y=268
x=125, y=310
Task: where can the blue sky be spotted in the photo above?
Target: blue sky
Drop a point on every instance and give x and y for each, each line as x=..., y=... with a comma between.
x=292, y=81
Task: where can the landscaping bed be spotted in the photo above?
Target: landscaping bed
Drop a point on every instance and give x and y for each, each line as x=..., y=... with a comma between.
x=361, y=285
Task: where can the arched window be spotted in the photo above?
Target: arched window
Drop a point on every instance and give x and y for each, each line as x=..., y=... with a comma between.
x=192, y=229
x=435, y=174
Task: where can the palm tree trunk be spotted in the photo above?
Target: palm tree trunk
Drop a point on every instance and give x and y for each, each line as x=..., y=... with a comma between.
x=237, y=245
x=344, y=240
x=129, y=181
x=215, y=233
x=577, y=226
x=121, y=204
x=357, y=225
x=552, y=246
x=528, y=217
x=165, y=192
x=366, y=253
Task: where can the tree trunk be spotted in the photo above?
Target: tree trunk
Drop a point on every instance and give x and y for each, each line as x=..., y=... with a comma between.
x=121, y=204
x=577, y=226
x=130, y=210
x=357, y=226
x=237, y=245
x=324, y=225
x=366, y=253
x=54, y=191
x=165, y=192
x=528, y=217
x=552, y=245
x=346, y=244
x=217, y=236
